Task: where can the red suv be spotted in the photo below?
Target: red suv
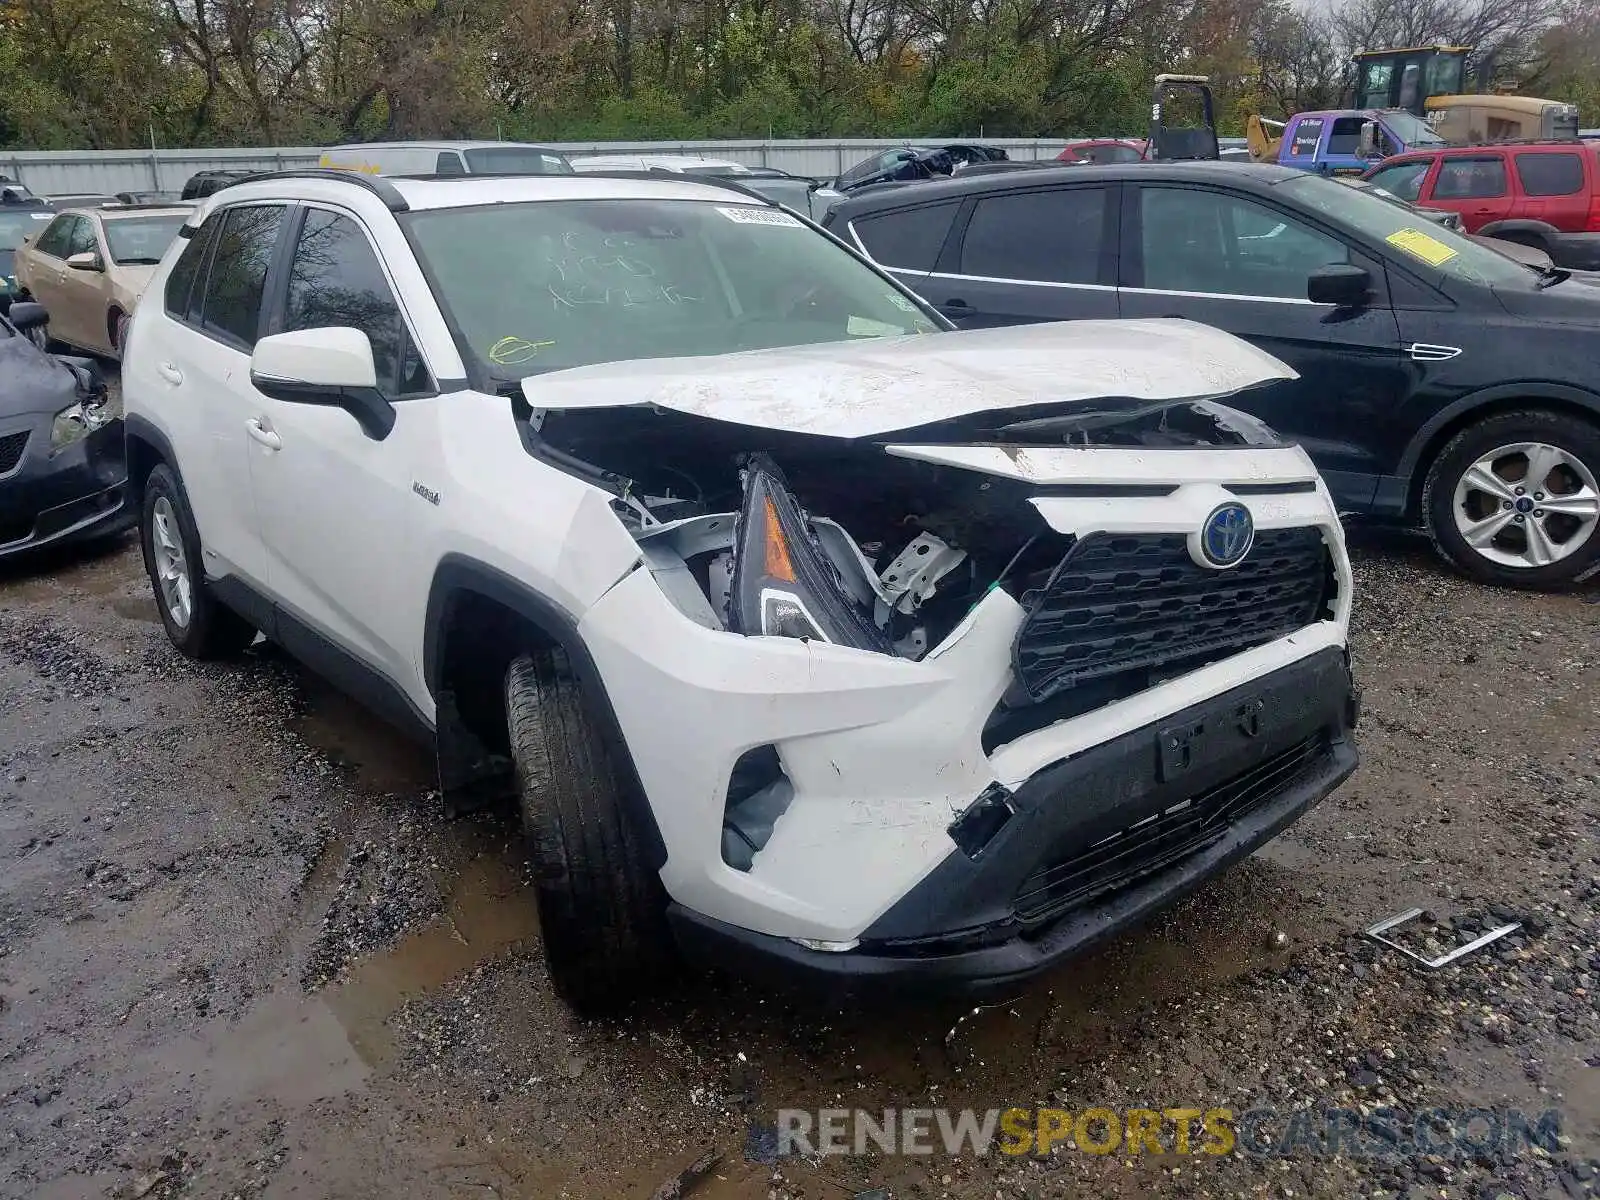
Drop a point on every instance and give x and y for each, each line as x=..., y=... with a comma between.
x=1542, y=194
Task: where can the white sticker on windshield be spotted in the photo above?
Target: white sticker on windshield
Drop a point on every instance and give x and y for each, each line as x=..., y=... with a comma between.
x=761, y=216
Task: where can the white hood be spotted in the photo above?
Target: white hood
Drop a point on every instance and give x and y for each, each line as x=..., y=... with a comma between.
x=878, y=385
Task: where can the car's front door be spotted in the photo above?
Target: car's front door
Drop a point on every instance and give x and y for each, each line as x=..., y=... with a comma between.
x=1023, y=256
x=1243, y=266
x=78, y=314
x=338, y=506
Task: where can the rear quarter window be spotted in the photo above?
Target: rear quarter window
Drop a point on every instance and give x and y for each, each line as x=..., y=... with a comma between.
x=908, y=238
x=1550, y=174
x=1306, y=136
x=180, y=283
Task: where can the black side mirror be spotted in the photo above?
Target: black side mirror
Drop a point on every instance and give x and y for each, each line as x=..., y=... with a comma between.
x=1340, y=285
x=26, y=315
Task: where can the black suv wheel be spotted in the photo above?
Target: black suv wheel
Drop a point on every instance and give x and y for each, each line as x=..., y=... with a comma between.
x=1514, y=499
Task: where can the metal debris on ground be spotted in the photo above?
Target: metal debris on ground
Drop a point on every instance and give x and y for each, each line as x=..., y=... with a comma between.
x=676, y=1188
x=1377, y=931
x=949, y=1038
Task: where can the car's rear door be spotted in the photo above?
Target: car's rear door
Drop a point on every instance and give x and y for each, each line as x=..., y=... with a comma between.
x=78, y=314
x=1020, y=256
x=200, y=362
x=1241, y=264
x=42, y=265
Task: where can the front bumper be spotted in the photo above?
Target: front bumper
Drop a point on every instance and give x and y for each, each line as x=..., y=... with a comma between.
x=80, y=491
x=1116, y=831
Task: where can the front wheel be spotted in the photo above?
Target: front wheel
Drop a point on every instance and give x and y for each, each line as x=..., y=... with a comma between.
x=1514, y=499
x=602, y=909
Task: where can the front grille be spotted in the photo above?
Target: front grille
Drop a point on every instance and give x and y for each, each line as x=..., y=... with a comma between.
x=11, y=448
x=1126, y=602
x=1161, y=840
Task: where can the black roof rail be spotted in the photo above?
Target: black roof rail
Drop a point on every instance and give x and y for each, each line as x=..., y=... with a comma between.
x=376, y=184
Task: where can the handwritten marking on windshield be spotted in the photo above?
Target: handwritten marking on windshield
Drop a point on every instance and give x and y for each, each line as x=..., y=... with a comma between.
x=509, y=351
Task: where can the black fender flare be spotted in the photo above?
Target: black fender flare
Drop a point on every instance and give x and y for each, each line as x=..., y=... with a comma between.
x=140, y=429
x=1545, y=234
x=457, y=576
x=1524, y=393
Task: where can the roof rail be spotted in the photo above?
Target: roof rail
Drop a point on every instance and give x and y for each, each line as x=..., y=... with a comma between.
x=721, y=181
x=376, y=184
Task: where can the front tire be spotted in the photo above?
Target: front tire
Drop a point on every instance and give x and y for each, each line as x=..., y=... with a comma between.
x=1515, y=499
x=602, y=910
x=197, y=623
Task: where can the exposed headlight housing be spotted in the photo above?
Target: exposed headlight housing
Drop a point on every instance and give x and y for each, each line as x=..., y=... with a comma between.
x=85, y=414
x=783, y=584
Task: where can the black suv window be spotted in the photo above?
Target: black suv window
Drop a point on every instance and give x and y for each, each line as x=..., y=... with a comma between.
x=231, y=304
x=1216, y=244
x=1550, y=174
x=910, y=238
x=335, y=280
x=1046, y=237
x=1469, y=178
x=180, y=283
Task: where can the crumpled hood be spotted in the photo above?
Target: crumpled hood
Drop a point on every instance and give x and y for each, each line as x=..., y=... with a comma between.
x=31, y=382
x=880, y=385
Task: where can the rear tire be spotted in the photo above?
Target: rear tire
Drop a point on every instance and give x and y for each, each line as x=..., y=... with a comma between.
x=1480, y=482
x=197, y=623
x=602, y=909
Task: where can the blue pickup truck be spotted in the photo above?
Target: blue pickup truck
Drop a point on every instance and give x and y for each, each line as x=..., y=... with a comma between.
x=1329, y=142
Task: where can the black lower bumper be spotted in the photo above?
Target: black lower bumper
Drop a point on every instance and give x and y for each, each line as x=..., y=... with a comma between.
x=77, y=492
x=1119, y=832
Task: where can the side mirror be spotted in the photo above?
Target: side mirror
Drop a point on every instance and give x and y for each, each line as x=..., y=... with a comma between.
x=1367, y=141
x=26, y=315
x=1340, y=285
x=332, y=366
x=86, y=260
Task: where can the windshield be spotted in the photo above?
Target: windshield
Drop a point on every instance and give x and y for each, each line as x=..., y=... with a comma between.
x=136, y=240
x=1412, y=234
x=538, y=287
x=1411, y=130
x=517, y=160
x=20, y=223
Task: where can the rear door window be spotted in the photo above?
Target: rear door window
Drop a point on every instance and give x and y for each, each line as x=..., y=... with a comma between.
x=909, y=238
x=1056, y=236
x=180, y=283
x=1550, y=174
x=231, y=303
x=1470, y=178
x=53, y=241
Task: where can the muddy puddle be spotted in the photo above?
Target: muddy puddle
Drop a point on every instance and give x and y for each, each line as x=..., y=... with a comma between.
x=379, y=757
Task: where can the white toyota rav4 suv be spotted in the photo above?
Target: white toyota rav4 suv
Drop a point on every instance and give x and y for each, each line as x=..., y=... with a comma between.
x=813, y=636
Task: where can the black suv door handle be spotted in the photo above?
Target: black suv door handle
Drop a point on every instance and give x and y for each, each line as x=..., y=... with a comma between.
x=958, y=307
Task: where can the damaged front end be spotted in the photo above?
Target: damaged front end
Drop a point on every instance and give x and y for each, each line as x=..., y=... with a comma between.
x=932, y=613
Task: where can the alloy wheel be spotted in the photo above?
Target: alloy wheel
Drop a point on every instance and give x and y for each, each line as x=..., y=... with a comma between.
x=172, y=564
x=1527, y=505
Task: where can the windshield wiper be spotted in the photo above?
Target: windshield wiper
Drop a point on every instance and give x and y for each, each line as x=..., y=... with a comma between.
x=1550, y=276
x=137, y=262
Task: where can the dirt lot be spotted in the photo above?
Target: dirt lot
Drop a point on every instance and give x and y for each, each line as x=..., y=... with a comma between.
x=242, y=953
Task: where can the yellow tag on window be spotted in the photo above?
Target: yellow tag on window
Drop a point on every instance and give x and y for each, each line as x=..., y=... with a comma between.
x=1419, y=245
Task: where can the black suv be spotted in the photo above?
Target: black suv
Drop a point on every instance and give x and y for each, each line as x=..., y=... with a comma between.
x=1441, y=383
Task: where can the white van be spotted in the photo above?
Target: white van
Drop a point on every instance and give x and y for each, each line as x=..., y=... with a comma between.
x=446, y=158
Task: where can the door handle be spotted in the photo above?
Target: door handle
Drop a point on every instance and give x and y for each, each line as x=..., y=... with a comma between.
x=262, y=434
x=957, y=306
x=169, y=372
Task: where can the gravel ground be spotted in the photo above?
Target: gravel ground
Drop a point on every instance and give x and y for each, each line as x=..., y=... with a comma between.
x=243, y=953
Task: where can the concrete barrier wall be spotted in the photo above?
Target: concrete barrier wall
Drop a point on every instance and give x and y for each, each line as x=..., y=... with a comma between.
x=57, y=172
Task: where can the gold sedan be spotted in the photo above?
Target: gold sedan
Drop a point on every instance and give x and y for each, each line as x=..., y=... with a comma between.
x=89, y=266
